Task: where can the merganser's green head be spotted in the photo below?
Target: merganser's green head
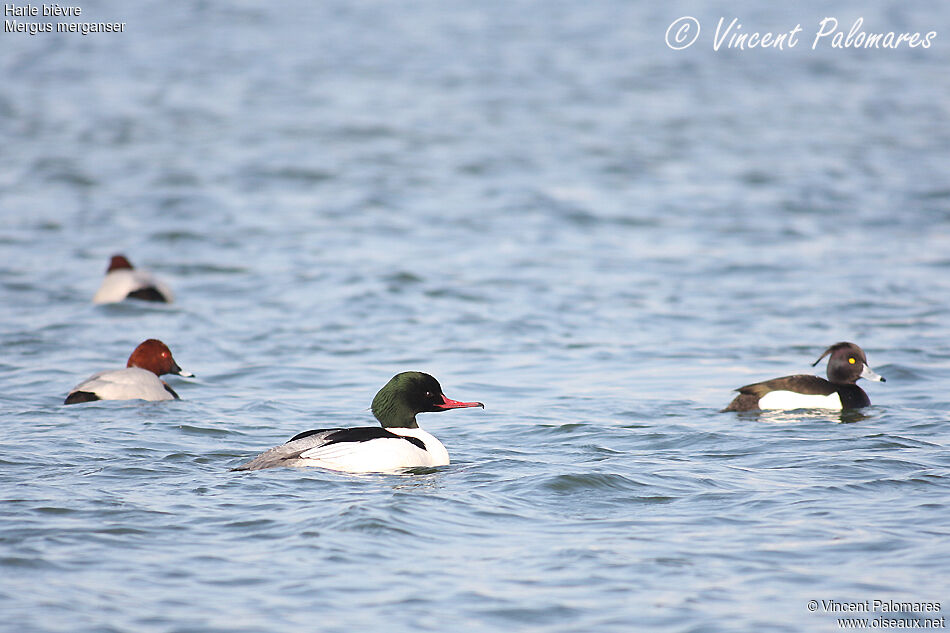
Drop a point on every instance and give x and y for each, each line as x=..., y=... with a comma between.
x=409, y=393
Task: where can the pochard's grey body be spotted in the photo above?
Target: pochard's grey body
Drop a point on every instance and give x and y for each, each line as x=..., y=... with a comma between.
x=140, y=380
x=124, y=281
x=399, y=443
x=846, y=365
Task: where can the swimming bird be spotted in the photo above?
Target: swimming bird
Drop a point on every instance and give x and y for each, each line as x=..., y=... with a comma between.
x=138, y=381
x=845, y=366
x=123, y=281
x=398, y=443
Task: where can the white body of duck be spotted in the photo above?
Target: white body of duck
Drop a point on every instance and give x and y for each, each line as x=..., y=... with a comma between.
x=130, y=383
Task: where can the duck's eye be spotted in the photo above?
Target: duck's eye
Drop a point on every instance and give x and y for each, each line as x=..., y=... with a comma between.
x=165, y=355
x=428, y=394
x=851, y=360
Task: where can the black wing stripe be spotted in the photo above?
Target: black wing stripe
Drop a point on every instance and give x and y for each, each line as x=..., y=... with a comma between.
x=300, y=436
x=358, y=434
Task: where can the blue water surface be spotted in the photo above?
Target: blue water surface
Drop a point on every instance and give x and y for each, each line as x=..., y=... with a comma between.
x=551, y=211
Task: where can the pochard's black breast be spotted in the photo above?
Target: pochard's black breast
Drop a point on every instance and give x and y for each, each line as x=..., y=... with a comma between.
x=853, y=397
x=358, y=434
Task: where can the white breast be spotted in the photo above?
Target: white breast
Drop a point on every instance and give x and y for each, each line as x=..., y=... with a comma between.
x=792, y=400
x=131, y=383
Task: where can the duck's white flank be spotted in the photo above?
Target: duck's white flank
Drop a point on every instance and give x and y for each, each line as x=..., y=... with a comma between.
x=119, y=283
x=131, y=383
x=793, y=400
x=379, y=455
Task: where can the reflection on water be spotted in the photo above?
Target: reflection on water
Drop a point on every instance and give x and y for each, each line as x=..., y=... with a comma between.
x=798, y=416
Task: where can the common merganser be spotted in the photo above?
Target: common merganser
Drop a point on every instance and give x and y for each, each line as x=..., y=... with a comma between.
x=399, y=443
x=122, y=281
x=138, y=381
x=846, y=365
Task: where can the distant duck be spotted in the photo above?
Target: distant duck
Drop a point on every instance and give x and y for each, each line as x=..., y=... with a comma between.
x=846, y=365
x=123, y=281
x=399, y=443
x=138, y=381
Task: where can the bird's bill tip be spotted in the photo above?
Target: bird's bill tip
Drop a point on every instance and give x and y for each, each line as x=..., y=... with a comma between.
x=455, y=404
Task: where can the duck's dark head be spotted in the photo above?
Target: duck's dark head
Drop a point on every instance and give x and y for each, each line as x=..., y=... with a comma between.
x=155, y=356
x=847, y=364
x=119, y=262
x=409, y=393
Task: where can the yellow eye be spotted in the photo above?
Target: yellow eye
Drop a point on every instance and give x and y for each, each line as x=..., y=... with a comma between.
x=851, y=360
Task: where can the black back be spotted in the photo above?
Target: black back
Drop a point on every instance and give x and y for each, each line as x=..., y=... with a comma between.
x=358, y=434
x=799, y=383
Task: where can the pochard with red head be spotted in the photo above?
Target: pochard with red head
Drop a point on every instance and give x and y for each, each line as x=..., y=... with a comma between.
x=124, y=281
x=140, y=380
